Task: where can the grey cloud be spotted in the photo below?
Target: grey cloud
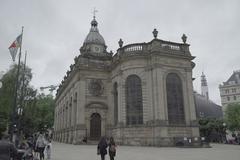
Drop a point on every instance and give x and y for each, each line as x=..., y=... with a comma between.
x=55, y=30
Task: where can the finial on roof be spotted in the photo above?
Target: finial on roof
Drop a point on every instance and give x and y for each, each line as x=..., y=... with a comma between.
x=155, y=33
x=94, y=22
x=120, y=43
x=94, y=13
x=184, y=38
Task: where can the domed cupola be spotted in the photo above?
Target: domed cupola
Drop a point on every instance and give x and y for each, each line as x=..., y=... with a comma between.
x=94, y=36
x=94, y=44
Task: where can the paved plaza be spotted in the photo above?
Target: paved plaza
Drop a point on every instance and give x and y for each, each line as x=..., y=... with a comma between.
x=88, y=152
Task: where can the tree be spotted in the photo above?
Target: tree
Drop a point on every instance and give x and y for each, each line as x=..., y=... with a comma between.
x=7, y=92
x=212, y=128
x=37, y=109
x=232, y=115
x=39, y=114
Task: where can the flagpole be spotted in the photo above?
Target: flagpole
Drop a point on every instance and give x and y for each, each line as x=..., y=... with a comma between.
x=14, y=116
x=22, y=94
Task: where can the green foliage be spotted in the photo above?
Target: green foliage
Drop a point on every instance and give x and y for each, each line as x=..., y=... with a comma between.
x=232, y=115
x=38, y=110
x=210, y=126
x=38, y=114
x=7, y=92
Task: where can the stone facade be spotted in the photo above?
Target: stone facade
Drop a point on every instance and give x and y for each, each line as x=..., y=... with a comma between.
x=91, y=100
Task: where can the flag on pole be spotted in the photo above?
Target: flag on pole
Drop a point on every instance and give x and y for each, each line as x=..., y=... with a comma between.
x=14, y=47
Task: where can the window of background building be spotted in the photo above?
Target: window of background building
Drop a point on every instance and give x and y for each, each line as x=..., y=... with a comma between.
x=234, y=97
x=228, y=98
x=227, y=91
x=233, y=90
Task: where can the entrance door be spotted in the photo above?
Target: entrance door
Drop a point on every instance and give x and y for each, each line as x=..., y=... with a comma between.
x=95, y=126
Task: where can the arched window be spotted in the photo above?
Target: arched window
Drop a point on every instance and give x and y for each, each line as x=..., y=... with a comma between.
x=115, y=95
x=175, y=99
x=75, y=109
x=134, y=104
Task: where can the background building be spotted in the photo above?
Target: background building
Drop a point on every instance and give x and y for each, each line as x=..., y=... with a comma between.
x=141, y=95
x=230, y=90
x=204, y=86
x=205, y=108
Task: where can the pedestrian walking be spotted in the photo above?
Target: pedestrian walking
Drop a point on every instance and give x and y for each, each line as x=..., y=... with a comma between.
x=28, y=155
x=102, y=148
x=7, y=149
x=112, y=148
x=36, y=152
x=48, y=150
x=40, y=144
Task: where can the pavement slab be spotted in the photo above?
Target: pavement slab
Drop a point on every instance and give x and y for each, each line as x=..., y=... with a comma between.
x=63, y=151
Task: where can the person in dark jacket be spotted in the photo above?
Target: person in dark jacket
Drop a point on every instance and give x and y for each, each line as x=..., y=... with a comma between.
x=102, y=147
x=7, y=149
x=112, y=149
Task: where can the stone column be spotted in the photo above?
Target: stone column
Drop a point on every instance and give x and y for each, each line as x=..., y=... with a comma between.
x=191, y=94
x=149, y=93
x=186, y=96
x=157, y=91
x=162, y=95
x=67, y=121
x=75, y=116
x=81, y=102
x=144, y=96
x=122, y=105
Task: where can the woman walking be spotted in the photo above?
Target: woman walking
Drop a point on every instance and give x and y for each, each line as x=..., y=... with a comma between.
x=40, y=144
x=102, y=147
x=112, y=149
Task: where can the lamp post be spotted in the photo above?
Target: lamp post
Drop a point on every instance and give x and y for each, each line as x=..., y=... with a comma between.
x=224, y=133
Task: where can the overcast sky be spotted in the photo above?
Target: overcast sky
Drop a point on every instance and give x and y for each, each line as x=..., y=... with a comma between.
x=54, y=30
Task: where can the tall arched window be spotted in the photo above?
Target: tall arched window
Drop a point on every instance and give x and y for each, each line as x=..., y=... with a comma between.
x=115, y=95
x=75, y=109
x=175, y=99
x=134, y=104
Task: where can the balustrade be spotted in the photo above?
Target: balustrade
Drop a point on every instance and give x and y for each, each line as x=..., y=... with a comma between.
x=171, y=46
x=133, y=48
x=139, y=48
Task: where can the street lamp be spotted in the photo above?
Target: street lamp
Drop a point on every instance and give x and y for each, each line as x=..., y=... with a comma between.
x=224, y=132
x=224, y=124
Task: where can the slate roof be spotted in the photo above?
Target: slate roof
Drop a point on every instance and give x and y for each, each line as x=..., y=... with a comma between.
x=235, y=77
x=206, y=108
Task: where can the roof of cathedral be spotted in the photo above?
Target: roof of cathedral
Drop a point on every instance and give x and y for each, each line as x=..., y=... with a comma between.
x=94, y=36
x=206, y=108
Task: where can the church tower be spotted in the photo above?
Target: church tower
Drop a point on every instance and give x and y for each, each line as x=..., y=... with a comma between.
x=204, y=86
x=94, y=44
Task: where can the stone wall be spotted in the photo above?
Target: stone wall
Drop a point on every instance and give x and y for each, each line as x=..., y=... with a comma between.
x=155, y=136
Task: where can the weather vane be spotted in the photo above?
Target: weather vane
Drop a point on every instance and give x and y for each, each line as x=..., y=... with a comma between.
x=94, y=12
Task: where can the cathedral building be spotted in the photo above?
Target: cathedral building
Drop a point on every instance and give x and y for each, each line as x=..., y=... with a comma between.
x=140, y=95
